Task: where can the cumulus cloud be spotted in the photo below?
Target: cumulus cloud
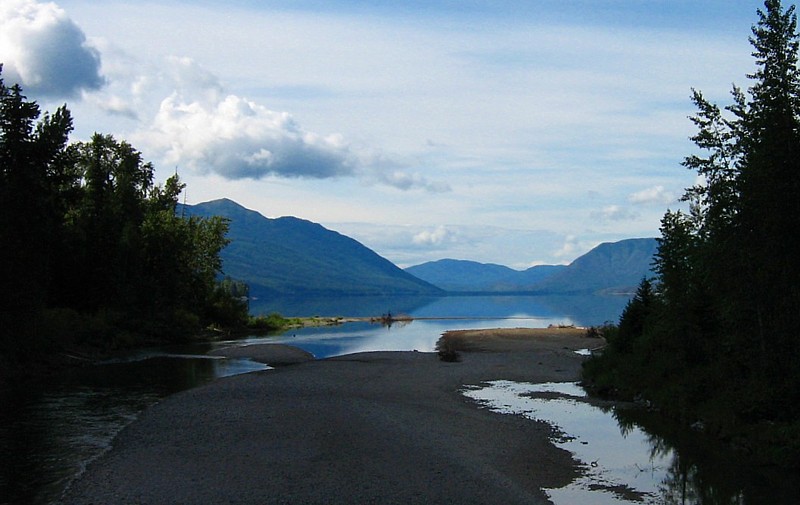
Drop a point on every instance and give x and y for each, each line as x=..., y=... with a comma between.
x=655, y=195
x=44, y=51
x=436, y=237
x=201, y=128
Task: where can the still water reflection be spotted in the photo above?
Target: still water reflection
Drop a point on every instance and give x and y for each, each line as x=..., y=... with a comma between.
x=623, y=463
x=583, y=310
x=50, y=432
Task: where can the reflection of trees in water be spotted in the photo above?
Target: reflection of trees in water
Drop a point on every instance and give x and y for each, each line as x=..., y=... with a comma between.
x=701, y=471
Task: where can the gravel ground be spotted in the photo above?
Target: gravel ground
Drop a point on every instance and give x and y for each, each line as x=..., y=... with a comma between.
x=270, y=354
x=378, y=427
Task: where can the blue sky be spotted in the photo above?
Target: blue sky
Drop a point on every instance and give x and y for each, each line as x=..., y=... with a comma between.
x=517, y=133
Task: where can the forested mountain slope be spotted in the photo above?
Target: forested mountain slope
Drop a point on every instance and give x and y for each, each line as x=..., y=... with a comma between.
x=288, y=255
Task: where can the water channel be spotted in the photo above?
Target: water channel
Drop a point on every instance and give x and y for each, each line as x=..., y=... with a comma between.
x=50, y=432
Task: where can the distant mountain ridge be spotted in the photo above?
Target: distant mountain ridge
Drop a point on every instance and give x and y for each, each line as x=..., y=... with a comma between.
x=292, y=256
x=465, y=276
x=609, y=268
x=296, y=257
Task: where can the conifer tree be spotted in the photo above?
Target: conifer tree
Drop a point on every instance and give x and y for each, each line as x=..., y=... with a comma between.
x=724, y=330
x=33, y=173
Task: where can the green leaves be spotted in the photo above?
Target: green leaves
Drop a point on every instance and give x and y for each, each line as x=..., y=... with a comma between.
x=83, y=227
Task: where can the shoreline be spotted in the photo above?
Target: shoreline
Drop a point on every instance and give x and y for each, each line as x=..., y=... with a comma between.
x=376, y=427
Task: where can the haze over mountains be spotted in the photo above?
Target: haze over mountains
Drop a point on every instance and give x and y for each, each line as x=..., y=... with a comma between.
x=465, y=276
x=291, y=256
x=610, y=268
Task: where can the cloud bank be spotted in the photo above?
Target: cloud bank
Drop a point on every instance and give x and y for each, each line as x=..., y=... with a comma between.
x=45, y=52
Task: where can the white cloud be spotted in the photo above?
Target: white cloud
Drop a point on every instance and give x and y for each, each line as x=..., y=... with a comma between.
x=201, y=127
x=394, y=175
x=655, y=195
x=435, y=237
x=616, y=213
x=537, y=124
x=573, y=247
x=239, y=139
x=44, y=51
x=408, y=245
x=568, y=249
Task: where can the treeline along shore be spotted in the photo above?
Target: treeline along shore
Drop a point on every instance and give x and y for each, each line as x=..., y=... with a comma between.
x=94, y=254
x=712, y=340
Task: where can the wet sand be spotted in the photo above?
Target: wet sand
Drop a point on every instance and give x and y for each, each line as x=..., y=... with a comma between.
x=378, y=427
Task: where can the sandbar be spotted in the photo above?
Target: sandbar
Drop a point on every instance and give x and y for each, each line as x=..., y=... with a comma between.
x=376, y=427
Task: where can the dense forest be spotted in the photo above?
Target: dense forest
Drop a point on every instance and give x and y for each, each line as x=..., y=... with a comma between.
x=92, y=251
x=714, y=338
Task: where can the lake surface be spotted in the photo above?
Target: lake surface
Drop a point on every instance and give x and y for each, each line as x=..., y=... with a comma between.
x=581, y=310
x=50, y=432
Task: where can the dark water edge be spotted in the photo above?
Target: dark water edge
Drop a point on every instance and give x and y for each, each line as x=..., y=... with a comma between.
x=705, y=470
x=629, y=454
x=51, y=429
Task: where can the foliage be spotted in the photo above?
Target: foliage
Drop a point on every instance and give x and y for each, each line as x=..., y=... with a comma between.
x=716, y=337
x=92, y=250
x=34, y=173
x=230, y=303
x=270, y=322
x=447, y=350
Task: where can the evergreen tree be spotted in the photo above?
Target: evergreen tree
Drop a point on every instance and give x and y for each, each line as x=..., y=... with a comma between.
x=770, y=191
x=721, y=341
x=85, y=233
x=33, y=175
x=634, y=318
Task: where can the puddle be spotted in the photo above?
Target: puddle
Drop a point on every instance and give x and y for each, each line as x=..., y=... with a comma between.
x=620, y=466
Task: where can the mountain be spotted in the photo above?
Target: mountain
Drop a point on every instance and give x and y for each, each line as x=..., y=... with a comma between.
x=611, y=267
x=530, y=278
x=616, y=267
x=462, y=275
x=291, y=256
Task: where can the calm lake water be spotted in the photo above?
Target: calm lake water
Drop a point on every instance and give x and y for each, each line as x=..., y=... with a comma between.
x=50, y=432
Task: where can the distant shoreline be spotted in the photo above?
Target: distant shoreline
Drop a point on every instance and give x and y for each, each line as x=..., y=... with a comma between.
x=315, y=321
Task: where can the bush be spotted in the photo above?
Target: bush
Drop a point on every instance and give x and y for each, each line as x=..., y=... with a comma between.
x=271, y=322
x=447, y=351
